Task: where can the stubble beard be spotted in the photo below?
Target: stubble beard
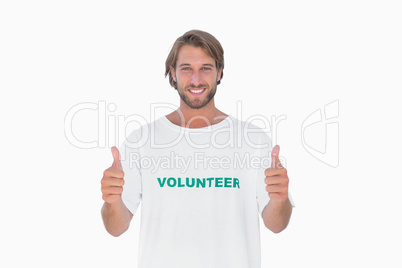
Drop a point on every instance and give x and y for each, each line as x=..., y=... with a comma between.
x=197, y=104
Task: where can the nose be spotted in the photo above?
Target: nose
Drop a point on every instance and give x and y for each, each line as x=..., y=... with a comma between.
x=195, y=78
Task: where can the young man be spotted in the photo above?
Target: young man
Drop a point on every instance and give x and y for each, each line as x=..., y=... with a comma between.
x=202, y=199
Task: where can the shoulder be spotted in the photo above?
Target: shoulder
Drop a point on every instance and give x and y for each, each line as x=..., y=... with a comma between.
x=250, y=126
x=136, y=134
x=249, y=131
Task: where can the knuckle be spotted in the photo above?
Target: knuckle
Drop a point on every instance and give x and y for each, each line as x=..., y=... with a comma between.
x=105, y=182
x=107, y=173
x=103, y=190
x=270, y=188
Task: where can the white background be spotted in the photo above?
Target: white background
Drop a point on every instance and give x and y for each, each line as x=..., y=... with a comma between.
x=282, y=58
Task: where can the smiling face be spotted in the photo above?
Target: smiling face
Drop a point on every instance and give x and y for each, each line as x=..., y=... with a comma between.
x=196, y=76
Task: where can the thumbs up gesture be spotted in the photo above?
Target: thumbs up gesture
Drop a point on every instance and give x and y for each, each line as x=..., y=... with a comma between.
x=276, y=178
x=113, y=179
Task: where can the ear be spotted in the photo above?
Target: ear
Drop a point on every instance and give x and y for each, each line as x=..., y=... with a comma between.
x=218, y=77
x=172, y=72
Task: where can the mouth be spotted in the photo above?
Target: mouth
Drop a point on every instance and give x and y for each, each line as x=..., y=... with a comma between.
x=196, y=91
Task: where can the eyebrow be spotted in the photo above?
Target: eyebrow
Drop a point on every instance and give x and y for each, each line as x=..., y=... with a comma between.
x=205, y=64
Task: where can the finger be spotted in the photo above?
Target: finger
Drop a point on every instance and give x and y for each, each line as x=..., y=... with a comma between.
x=275, y=189
x=112, y=190
x=109, y=182
x=113, y=172
x=275, y=180
x=278, y=196
x=275, y=172
x=275, y=156
x=116, y=158
x=111, y=198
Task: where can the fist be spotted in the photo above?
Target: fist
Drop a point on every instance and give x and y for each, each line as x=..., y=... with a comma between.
x=113, y=179
x=276, y=178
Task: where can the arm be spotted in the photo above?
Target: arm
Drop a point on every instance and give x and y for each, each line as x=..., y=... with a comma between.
x=276, y=215
x=116, y=217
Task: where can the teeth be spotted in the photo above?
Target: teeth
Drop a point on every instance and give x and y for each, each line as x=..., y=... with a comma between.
x=197, y=91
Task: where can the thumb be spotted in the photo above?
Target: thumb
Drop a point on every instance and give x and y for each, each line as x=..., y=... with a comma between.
x=275, y=157
x=116, y=158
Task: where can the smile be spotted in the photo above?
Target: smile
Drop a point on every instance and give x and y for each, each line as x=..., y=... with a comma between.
x=197, y=91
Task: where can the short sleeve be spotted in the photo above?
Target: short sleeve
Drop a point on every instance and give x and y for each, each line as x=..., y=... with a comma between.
x=132, y=188
x=264, y=155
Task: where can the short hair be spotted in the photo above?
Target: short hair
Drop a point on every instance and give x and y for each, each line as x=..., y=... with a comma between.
x=195, y=38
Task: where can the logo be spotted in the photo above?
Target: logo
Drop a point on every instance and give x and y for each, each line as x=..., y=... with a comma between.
x=320, y=134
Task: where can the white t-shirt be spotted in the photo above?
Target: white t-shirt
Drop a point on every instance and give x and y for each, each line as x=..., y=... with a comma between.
x=201, y=190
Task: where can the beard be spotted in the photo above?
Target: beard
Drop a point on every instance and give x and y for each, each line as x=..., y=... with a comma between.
x=197, y=103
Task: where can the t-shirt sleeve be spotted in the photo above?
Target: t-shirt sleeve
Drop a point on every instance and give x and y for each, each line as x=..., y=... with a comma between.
x=132, y=188
x=264, y=155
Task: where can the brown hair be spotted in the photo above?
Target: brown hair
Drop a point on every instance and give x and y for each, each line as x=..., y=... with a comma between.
x=195, y=38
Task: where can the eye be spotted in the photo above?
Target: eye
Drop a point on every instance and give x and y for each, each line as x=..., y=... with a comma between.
x=206, y=68
x=186, y=69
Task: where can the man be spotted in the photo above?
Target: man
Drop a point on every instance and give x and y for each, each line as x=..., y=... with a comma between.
x=202, y=199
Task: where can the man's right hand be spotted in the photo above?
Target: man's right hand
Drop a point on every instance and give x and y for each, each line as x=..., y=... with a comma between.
x=113, y=179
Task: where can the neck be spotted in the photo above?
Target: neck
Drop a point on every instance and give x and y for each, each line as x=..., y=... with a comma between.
x=196, y=118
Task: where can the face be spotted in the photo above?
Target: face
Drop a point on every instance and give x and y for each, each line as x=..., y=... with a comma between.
x=196, y=76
